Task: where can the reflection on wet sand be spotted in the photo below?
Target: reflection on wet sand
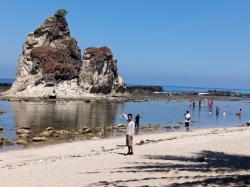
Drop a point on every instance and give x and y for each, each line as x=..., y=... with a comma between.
x=69, y=115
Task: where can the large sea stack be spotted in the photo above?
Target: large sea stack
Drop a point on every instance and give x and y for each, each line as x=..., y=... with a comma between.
x=51, y=65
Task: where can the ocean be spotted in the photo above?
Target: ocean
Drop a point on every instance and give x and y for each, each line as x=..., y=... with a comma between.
x=177, y=89
x=181, y=89
x=10, y=81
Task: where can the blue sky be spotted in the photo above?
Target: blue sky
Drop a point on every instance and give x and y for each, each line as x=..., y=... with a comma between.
x=178, y=42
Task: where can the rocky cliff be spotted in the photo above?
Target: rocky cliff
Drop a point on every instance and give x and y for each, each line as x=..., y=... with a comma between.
x=51, y=65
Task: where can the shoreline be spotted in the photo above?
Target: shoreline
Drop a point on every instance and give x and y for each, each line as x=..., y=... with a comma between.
x=82, y=163
x=143, y=134
x=129, y=98
x=139, y=93
x=75, y=136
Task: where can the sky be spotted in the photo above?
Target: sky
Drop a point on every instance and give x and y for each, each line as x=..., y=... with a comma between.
x=162, y=42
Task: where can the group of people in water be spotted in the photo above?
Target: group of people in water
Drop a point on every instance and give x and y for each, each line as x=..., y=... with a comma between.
x=211, y=105
x=131, y=124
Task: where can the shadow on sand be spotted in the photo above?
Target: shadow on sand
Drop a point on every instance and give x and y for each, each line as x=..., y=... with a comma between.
x=226, y=167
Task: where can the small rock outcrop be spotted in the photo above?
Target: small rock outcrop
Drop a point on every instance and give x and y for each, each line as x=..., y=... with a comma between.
x=1, y=111
x=5, y=142
x=99, y=72
x=144, y=89
x=4, y=87
x=51, y=65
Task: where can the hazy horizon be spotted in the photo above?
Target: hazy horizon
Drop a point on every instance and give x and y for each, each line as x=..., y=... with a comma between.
x=177, y=86
x=183, y=43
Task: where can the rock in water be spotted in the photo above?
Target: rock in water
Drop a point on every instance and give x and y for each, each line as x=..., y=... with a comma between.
x=2, y=111
x=50, y=57
x=51, y=65
x=248, y=123
x=99, y=72
x=5, y=141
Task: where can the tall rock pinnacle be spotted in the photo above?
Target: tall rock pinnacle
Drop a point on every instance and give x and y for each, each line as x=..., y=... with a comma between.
x=51, y=65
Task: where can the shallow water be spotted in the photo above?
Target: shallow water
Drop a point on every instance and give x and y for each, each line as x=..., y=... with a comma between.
x=181, y=89
x=173, y=113
x=74, y=115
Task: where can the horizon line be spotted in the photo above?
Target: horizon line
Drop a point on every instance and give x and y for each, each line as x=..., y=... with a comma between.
x=163, y=85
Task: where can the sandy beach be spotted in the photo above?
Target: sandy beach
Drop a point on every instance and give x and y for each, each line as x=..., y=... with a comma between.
x=79, y=79
x=214, y=157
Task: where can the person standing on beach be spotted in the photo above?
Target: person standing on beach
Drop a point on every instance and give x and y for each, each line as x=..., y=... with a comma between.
x=137, y=120
x=187, y=120
x=130, y=132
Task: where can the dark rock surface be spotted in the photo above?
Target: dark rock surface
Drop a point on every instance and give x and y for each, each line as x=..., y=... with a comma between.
x=56, y=64
x=144, y=89
x=4, y=87
x=221, y=93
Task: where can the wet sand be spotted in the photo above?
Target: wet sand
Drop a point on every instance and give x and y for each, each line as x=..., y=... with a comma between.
x=214, y=157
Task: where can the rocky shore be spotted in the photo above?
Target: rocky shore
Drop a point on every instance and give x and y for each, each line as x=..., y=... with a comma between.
x=27, y=135
x=141, y=96
x=138, y=94
x=4, y=87
x=144, y=89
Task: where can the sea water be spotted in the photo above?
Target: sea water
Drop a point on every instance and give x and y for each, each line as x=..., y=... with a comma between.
x=181, y=89
x=75, y=115
x=172, y=113
x=9, y=81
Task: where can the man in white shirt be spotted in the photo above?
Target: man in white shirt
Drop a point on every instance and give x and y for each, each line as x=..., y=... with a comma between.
x=130, y=133
x=187, y=120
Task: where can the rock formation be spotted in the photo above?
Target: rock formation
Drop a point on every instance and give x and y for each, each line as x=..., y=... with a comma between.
x=51, y=65
x=144, y=89
x=99, y=71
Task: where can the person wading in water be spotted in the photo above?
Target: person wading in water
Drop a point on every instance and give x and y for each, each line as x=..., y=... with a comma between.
x=137, y=120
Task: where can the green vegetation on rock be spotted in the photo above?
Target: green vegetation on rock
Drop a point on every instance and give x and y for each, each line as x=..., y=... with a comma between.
x=70, y=47
x=61, y=13
x=38, y=31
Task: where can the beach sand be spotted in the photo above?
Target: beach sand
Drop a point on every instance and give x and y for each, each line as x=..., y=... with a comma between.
x=213, y=157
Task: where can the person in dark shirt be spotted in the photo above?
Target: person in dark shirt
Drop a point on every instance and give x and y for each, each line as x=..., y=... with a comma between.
x=239, y=113
x=217, y=111
x=137, y=120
